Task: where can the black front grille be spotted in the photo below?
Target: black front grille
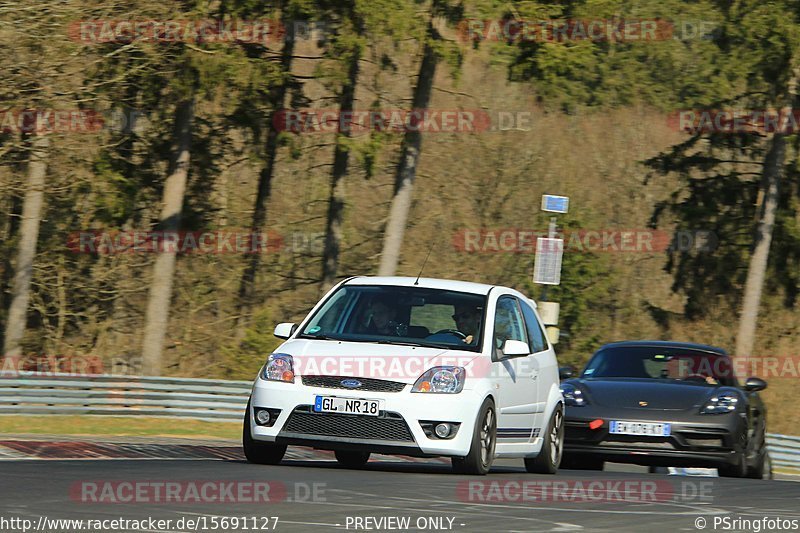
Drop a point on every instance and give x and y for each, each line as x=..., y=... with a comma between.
x=712, y=443
x=387, y=427
x=632, y=443
x=367, y=384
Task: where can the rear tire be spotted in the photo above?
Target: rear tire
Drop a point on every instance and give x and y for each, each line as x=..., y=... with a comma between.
x=260, y=453
x=484, y=437
x=549, y=458
x=352, y=459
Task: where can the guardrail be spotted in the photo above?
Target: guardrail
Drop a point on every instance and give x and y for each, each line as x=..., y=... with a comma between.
x=203, y=399
x=784, y=450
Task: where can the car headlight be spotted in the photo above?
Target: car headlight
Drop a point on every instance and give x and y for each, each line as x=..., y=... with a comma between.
x=573, y=396
x=279, y=367
x=720, y=404
x=441, y=379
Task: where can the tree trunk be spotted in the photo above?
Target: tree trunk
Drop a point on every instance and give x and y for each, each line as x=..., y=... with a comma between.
x=157, y=317
x=407, y=166
x=333, y=227
x=773, y=170
x=247, y=284
x=26, y=252
x=759, y=260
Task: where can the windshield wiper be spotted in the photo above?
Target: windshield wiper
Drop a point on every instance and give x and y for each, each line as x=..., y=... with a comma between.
x=402, y=343
x=418, y=344
x=319, y=337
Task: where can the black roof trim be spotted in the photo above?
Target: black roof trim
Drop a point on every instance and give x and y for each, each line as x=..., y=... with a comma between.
x=667, y=344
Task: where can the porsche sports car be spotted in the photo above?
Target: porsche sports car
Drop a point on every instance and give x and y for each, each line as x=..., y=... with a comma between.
x=660, y=403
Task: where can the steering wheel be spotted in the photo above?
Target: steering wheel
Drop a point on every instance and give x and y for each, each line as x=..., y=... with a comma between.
x=400, y=329
x=695, y=377
x=452, y=332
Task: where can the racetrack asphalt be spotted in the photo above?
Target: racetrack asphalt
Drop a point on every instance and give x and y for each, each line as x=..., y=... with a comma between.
x=317, y=495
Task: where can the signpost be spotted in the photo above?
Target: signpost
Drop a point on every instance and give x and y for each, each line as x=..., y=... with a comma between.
x=547, y=261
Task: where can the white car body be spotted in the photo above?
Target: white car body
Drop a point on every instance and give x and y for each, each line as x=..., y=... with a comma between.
x=523, y=388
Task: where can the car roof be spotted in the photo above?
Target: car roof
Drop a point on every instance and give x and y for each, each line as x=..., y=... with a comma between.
x=667, y=344
x=430, y=283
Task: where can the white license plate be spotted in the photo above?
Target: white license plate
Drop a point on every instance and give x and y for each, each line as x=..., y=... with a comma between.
x=640, y=428
x=349, y=406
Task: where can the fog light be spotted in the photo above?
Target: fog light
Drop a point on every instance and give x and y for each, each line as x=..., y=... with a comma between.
x=442, y=430
x=262, y=417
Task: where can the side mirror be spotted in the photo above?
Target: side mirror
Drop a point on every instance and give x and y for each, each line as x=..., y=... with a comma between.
x=515, y=348
x=754, y=384
x=565, y=372
x=284, y=330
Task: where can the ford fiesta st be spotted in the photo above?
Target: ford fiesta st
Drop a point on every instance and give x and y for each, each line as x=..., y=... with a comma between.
x=418, y=367
x=665, y=404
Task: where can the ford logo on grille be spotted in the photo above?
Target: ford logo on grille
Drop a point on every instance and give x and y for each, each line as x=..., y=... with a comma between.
x=351, y=383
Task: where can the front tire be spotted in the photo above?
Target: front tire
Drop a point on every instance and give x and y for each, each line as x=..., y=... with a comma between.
x=260, y=453
x=736, y=470
x=352, y=459
x=762, y=468
x=484, y=437
x=549, y=458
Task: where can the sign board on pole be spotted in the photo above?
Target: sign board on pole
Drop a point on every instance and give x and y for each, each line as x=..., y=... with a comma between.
x=553, y=334
x=555, y=204
x=547, y=262
x=548, y=311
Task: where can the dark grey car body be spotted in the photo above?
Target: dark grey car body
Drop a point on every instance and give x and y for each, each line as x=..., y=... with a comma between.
x=734, y=441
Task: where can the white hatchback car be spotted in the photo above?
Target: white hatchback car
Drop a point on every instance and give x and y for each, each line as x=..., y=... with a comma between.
x=419, y=367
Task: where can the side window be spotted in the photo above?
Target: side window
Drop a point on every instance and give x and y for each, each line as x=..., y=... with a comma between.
x=508, y=322
x=536, y=338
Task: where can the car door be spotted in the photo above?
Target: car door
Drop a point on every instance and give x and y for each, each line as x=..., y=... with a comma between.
x=515, y=383
x=541, y=362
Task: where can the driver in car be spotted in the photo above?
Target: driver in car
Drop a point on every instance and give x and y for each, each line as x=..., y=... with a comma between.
x=468, y=321
x=382, y=321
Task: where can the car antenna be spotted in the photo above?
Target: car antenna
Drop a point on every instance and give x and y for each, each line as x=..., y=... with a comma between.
x=416, y=281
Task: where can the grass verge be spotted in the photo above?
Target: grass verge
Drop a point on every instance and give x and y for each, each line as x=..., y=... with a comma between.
x=78, y=425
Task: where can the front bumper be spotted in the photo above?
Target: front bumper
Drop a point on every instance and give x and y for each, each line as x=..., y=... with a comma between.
x=398, y=429
x=694, y=441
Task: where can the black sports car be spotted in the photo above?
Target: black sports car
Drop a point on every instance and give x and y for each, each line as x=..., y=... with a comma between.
x=661, y=403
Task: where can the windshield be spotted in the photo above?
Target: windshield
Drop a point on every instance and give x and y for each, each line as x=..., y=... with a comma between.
x=400, y=315
x=655, y=362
